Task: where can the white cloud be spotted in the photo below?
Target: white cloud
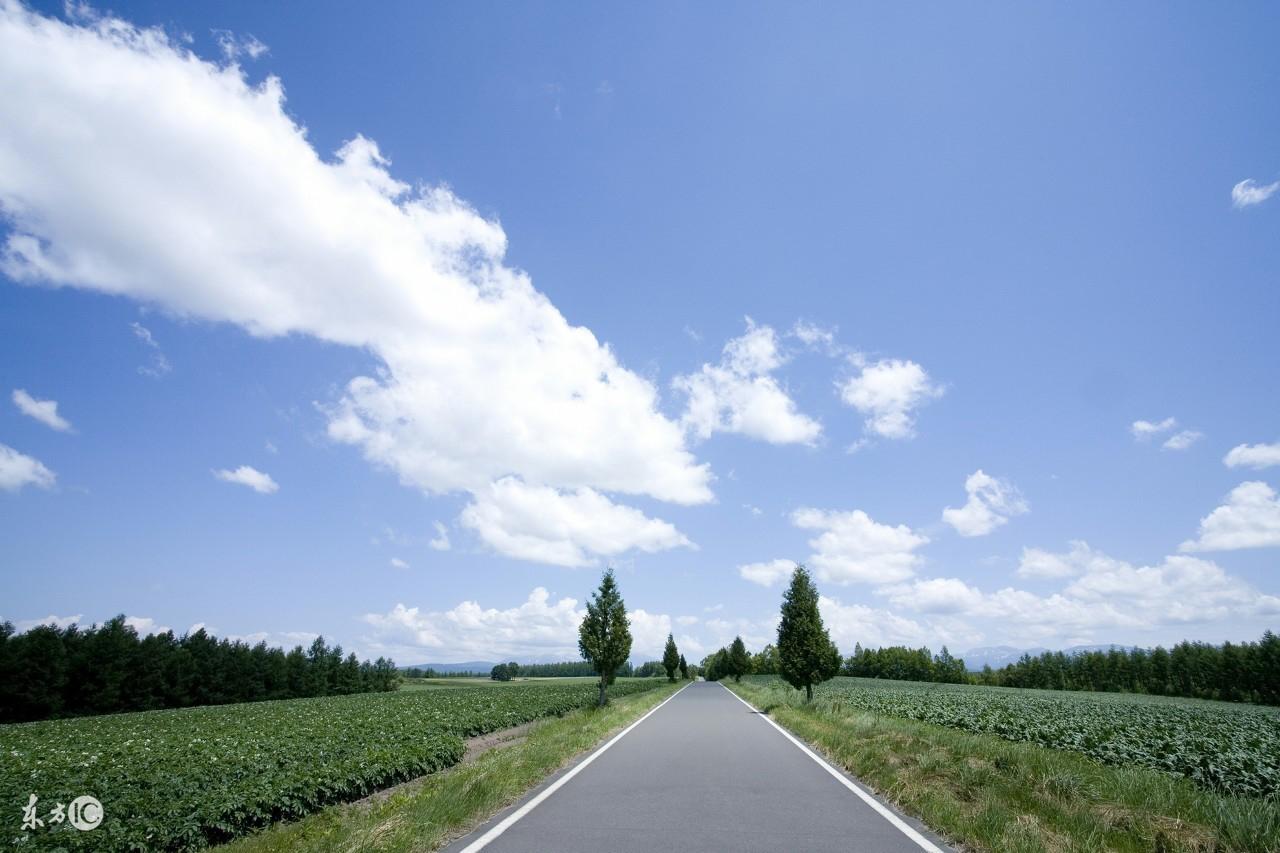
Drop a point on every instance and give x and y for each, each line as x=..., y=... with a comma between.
x=1182, y=440
x=1249, y=192
x=56, y=621
x=45, y=411
x=849, y=624
x=537, y=628
x=159, y=365
x=816, y=337
x=248, y=476
x=18, y=470
x=398, y=563
x=936, y=595
x=145, y=625
x=767, y=574
x=854, y=548
x=1249, y=519
x=234, y=46
x=1143, y=430
x=566, y=528
x=1038, y=563
x=739, y=395
x=991, y=503
x=243, y=222
x=686, y=620
x=1106, y=598
x=441, y=540
x=1253, y=456
x=887, y=393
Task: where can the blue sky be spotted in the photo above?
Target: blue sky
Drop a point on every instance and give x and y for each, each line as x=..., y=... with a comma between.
x=685, y=290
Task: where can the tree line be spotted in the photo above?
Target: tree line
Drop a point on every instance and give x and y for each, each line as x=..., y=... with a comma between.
x=51, y=672
x=1234, y=672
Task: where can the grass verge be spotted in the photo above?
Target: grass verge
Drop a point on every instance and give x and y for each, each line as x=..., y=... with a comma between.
x=986, y=793
x=427, y=813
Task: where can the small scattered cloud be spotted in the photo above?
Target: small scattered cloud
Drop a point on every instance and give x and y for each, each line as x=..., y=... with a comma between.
x=159, y=365
x=235, y=46
x=854, y=548
x=1249, y=192
x=740, y=394
x=816, y=337
x=145, y=625
x=1253, y=456
x=271, y=448
x=1182, y=440
x=754, y=510
x=555, y=91
x=693, y=334
x=991, y=503
x=18, y=470
x=767, y=574
x=1250, y=518
x=246, y=475
x=888, y=393
x=1079, y=560
x=1143, y=430
x=44, y=411
x=604, y=89
x=441, y=540
x=55, y=621
x=398, y=563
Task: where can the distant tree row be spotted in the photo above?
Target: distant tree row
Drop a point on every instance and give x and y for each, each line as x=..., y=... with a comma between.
x=105, y=669
x=432, y=672
x=904, y=664
x=1235, y=672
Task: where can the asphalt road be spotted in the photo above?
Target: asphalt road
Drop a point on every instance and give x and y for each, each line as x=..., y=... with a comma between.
x=702, y=773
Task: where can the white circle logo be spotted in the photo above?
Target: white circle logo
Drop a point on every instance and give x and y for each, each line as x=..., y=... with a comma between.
x=85, y=813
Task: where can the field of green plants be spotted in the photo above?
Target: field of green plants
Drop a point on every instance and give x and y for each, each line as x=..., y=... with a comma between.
x=184, y=779
x=1225, y=747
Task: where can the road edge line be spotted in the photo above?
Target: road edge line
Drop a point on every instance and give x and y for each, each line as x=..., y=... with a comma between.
x=511, y=819
x=898, y=823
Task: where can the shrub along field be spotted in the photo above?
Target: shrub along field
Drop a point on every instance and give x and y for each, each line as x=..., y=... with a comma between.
x=1229, y=748
x=183, y=779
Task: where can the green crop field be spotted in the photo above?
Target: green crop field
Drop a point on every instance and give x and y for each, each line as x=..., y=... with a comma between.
x=186, y=778
x=1226, y=747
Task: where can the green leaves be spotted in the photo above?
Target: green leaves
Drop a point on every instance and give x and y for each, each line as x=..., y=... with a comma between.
x=188, y=778
x=1232, y=749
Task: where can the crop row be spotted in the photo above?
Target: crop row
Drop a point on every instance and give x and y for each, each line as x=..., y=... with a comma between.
x=1232, y=749
x=187, y=778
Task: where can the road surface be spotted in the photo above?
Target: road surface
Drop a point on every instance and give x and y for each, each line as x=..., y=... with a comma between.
x=704, y=772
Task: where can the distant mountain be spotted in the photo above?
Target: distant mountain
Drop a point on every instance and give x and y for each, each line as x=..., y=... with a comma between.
x=466, y=666
x=999, y=656
x=994, y=656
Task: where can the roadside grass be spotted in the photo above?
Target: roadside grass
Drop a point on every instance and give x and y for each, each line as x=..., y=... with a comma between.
x=987, y=793
x=427, y=813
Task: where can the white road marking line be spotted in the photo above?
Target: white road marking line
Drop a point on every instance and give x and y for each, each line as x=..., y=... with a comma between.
x=904, y=828
x=510, y=820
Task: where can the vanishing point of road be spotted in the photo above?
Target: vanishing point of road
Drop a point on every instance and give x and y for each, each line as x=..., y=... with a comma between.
x=703, y=772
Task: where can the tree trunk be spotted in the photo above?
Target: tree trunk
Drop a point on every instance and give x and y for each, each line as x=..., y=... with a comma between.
x=601, y=691
x=808, y=693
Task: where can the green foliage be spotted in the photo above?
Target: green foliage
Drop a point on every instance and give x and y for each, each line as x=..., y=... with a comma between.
x=604, y=637
x=1234, y=672
x=184, y=779
x=806, y=655
x=739, y=662
x=107, y=669
x=684, y=668
x=903, y=664
x=1232, y=749
x=765, y=661
x=671, y=658
x=504, y=672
